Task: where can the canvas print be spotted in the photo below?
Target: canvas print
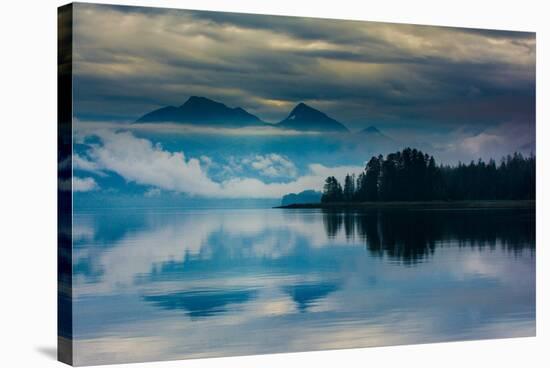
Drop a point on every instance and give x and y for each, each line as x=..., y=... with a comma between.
x=235, y=184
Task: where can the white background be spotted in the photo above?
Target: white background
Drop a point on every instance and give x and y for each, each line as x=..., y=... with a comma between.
x=28, y=181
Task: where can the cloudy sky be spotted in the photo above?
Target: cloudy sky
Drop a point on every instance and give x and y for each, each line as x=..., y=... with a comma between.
x=130, y=60
x=459, y=94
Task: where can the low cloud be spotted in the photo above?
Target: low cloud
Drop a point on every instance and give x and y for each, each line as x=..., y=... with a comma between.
x=84, y=184
x=478, y=143
x=88, y=126
x=152, y=192
x=178, y=128
x=495, y=143
x=82, y=163
x=139, y=160
x=273, y=166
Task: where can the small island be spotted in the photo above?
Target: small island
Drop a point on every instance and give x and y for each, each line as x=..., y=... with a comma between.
x=441, y=205
x=411, y=179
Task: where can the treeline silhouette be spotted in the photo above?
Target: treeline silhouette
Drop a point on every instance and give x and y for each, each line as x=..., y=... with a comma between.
x=411, y=175
x=410, y=237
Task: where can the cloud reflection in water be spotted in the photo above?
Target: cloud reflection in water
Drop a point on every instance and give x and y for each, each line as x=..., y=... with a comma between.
x=298, y=280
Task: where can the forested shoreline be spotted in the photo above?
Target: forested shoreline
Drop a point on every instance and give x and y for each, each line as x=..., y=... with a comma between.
x=411, y=175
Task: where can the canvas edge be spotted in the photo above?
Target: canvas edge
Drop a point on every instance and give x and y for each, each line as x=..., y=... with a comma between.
x=64, y=184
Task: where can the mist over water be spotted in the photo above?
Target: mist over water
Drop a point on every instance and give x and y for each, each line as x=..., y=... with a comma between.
x=171, y=284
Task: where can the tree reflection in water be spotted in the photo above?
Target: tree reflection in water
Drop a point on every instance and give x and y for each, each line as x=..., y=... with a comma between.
x=411, y=236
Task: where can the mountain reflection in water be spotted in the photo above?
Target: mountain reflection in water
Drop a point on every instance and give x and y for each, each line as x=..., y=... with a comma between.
x=172, y=284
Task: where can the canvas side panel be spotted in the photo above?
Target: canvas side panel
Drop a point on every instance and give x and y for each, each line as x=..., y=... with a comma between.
x=64, y=189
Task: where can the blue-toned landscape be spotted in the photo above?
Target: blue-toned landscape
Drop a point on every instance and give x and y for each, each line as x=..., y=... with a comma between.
x=246, y=184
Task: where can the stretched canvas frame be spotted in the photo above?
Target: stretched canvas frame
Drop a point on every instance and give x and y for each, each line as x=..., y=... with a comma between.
x=292, y=196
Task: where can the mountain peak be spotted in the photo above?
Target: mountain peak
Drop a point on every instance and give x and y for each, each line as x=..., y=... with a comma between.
x=302, y=108
x=306, y=118
x=371, y=130
x=375, y=134
x=202, y=111
x=197, y=98
x=199, y=102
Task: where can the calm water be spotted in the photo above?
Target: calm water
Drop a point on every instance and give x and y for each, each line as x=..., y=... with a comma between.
x=173, y=284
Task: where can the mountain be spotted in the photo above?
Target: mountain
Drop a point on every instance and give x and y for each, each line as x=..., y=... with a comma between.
x=307, y=196
x=375, y=134
x=306, y=118
x=371, y=131
x=203, y=111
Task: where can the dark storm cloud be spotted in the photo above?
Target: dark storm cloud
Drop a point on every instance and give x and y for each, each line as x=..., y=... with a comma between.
x=307, y=29
x=130, y=60
x=333, y=29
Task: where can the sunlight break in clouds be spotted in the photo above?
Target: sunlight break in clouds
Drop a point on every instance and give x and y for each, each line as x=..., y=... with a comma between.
x=138, y=160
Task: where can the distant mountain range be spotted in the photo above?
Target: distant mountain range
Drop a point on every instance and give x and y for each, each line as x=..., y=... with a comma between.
x=307, y=196
x=203, y=111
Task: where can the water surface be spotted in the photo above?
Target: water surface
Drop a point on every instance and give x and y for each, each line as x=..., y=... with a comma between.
x=174, y=283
